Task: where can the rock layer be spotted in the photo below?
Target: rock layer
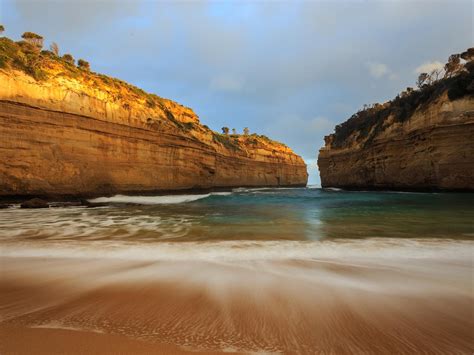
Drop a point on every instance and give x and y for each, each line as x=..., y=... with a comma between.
x=433, y=149
x=64, y=136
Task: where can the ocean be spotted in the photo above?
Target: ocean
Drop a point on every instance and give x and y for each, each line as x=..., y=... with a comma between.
x=290, y=270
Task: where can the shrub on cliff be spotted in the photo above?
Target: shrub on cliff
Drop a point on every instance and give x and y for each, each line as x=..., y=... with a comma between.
x=188, y=126
x=7, y=52
x=34, y=39
x=150, y=102
x=422, y=80
x=453, y=66
x=226, y=141
x=68, y=58
x=83, y=64
x=2, y=29
x=21, y=56
x=464, y=83
x=255, y=138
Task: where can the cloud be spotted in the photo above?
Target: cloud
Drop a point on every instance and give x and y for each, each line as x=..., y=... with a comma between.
x=393, y=76
x=377, y=70
x=227, y=83
x=428, y=67
x=380, y=70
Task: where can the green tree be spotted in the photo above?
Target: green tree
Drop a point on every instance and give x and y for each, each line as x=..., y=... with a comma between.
x=33, y=38
x=2, y=29
x=246, y=131
x=225, y=130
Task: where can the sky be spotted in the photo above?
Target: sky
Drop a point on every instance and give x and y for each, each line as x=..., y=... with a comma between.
x=290, y=69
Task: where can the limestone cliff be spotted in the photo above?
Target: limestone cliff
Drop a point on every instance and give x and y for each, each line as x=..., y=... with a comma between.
x=67, y=131
x=422, y=140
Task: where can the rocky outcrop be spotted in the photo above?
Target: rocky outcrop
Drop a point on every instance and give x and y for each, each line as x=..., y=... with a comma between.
x=82, y=135
x=35, y=203
x=428, y=144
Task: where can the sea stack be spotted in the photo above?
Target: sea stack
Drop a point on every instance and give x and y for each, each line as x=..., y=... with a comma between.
x=68, y=131
x=421, y=140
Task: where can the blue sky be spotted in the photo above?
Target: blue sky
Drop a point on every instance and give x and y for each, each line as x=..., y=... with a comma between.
x=291, y=70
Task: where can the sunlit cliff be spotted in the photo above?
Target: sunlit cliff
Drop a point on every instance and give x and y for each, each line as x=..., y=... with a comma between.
x=67, y=130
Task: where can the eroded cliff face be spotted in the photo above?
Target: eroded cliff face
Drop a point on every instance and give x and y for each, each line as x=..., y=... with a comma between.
x=431, y=149
x=70, y=136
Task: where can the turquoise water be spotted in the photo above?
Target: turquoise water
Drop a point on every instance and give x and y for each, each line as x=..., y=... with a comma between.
x=300, y=214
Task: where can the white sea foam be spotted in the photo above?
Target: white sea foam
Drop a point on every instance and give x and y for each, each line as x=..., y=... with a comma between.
x=222, y=193
x=88, y=224
x=154, y=200
x=332, y=189
x=344, y=251
x=250, y=189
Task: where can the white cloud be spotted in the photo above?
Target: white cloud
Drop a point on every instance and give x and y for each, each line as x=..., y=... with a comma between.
x=428, y=67
x=226, y=83
x=377, y=70
x=393, y=76
x=380, y=70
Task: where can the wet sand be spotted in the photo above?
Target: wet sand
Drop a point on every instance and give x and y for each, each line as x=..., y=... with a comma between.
x=369, y=305
x=63, y=341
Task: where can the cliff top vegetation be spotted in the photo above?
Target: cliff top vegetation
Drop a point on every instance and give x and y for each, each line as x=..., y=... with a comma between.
x=456, y=79
x=27, y=55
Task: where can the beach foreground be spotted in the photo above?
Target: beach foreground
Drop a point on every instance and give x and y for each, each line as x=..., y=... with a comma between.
x=375, y=301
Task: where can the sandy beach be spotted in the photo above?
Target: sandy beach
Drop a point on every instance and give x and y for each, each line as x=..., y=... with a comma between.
x=371, y=305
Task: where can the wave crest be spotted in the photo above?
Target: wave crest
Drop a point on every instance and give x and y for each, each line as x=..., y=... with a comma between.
x=152, y=200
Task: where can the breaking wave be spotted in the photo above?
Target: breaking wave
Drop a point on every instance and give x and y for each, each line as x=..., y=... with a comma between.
x=155, y=200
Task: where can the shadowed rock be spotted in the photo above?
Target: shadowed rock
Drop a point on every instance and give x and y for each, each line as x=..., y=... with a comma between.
x=35, y=203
